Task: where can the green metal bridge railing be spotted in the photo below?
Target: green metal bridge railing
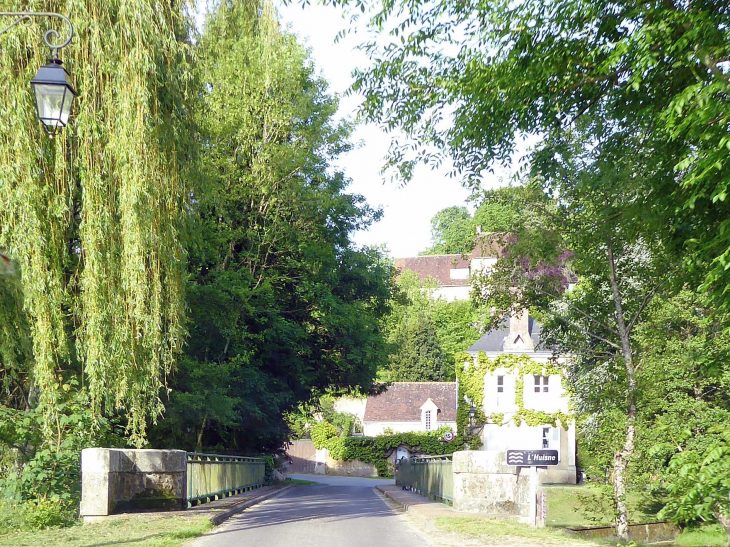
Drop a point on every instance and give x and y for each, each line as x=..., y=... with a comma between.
x=430, y=476
x=214, y=476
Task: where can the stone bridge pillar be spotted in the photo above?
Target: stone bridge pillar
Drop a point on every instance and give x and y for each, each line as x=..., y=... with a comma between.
x=117, y=480
x=483, y=482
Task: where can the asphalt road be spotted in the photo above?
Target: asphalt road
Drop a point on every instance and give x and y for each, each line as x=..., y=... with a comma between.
x=336, y=512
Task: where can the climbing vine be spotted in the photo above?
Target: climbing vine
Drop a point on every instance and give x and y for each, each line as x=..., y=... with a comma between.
x=471, y=388
x=377, y=450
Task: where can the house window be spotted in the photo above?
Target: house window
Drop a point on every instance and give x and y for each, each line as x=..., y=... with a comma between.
x=428, y=420
x=500, y=384
x=551, y=439
x=541, y=383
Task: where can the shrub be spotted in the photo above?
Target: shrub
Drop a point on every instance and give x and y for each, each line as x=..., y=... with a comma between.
x=37, y=514
x=269, y=468
x=321, y=433
x=699, y=484
x=377, y=450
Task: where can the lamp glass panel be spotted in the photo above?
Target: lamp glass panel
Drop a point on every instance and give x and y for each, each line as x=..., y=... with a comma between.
x=66, y=109
x=54, y=104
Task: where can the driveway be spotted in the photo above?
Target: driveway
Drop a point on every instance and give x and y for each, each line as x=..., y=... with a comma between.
x=335, y=512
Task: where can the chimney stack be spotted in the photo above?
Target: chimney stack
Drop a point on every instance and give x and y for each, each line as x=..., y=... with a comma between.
x=519, y=338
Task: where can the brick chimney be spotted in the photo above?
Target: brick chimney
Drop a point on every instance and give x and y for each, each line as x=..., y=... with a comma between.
x=519, y=338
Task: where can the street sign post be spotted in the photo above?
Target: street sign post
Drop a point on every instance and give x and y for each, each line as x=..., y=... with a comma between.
x=529, y=458
x=533, y=459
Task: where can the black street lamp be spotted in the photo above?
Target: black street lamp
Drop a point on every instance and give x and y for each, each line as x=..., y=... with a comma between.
x=472, y=415
x=53, y=96
x=52, y=89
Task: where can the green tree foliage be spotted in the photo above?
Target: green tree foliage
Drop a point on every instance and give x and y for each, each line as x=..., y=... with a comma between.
x=94, y=218
x=700, y=483
x=506, y=210
x=502, y=70
x=417, y=353
x=683, y=380
x=452, y=232
x=425, y=334
x=681, y=386
x=282, y=305
x=455, y=231
x=620, y=262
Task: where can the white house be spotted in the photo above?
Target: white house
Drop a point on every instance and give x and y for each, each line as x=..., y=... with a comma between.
x=411, y=406
x=451, y=272
x=520, y=335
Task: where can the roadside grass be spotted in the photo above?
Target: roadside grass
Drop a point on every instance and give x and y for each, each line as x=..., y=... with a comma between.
x=497, y=532
x=167, y=531
x=590, y=505
x=299, y=482
x=10, y=519
x=708, y=535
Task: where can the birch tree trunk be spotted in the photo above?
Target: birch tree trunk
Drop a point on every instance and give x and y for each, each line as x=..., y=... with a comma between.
x=622, y=458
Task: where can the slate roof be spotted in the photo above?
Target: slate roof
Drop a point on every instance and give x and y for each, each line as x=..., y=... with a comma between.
x=436, y=266
x=493, y=341
x=402, y=402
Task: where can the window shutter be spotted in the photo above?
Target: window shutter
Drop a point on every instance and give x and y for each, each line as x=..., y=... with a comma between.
x=555, y=441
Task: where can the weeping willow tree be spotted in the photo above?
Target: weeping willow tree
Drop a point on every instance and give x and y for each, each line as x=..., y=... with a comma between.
x=94, y=219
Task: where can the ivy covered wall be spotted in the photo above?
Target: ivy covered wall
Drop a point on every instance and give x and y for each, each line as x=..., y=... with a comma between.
x=377, y=450
x=471, y=392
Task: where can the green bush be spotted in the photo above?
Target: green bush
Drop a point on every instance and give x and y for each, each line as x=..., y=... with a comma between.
x=10, y=517
x=377, y=450
x=39, y=461
x=321, y=432
x=38, y=514
x=699, y=483
x=269, y=468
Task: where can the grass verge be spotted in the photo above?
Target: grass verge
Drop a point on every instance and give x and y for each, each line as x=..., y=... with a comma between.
x=590, y=505
x=497, y=532
x=299, y=482
x=166, y=531
x=709, y=535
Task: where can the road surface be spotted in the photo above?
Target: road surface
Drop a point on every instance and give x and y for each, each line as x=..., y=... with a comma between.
x=336, y=512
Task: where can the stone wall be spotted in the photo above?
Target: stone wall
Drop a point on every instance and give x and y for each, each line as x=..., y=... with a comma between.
x=117, y=480
x=318, y=461
x=483, y=482
x=650, y=532
x=353, y=468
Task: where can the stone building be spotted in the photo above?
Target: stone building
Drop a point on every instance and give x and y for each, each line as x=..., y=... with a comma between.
x=451, y=273
x=520, y=336
x=411, y=406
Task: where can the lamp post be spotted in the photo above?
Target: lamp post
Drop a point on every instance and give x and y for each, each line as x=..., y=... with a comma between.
x=472, y=416
x=52, y=89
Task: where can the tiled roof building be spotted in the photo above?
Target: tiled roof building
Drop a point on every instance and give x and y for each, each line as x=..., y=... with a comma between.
x=411, y=406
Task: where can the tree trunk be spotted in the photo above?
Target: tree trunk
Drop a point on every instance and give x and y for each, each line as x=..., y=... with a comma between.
x=199, y=444
x=622, y=458
x=724, y=521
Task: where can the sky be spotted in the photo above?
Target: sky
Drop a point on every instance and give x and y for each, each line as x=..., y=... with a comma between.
x=405, y=228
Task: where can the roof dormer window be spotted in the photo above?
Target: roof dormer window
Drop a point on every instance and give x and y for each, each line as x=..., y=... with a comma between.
x=427, y=420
